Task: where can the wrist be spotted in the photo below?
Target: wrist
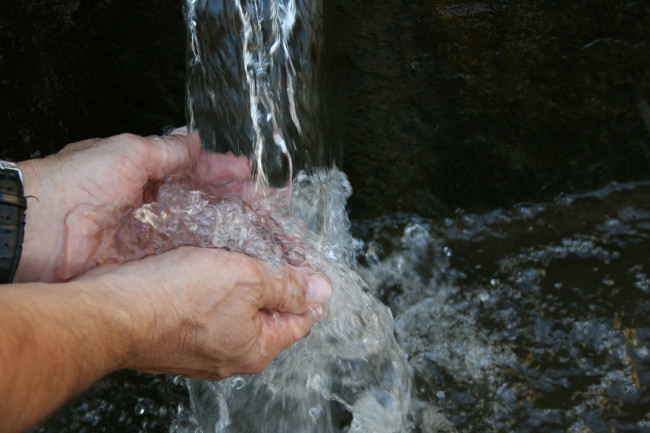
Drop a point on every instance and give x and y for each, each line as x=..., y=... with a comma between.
x=126, y=316
x=12, y=219
x=31, y=179
x=35, y=248
x=56, y=340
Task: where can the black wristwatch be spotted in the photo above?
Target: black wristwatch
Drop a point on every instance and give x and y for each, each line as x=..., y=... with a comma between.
x=12, y=219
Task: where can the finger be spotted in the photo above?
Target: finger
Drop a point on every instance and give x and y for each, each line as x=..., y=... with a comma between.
x=80, y=145
x=97, y=272
x=216, y=167
x=167, y=154
x=318, y=289
x=222, y=167
x=281, y=330
x=293, y=291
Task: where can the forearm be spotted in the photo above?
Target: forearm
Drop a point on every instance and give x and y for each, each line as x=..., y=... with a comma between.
x=55, y=341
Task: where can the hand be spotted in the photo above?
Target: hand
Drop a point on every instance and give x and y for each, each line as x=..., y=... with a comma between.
x=76, y=195
x=200, y=312
x=209, y=313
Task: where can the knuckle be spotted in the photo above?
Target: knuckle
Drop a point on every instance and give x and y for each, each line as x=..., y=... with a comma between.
x=262, y=363
x=250, y=266
x=257, y=363
x=129, y=139
x=127, y=136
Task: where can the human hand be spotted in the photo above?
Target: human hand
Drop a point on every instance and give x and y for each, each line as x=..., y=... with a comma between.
x=204, y=313
x=78, y=194
x=209, y=313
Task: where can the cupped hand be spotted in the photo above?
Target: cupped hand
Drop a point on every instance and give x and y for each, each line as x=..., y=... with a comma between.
x=77, y=195
x=209, y=313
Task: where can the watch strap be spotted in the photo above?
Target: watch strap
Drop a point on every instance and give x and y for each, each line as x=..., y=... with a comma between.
x=12, y=220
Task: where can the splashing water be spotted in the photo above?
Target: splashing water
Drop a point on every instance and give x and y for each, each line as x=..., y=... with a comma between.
x=349, y=374
x=530, y=319
x=349, y=366
x=252, y=78
x=533, y=319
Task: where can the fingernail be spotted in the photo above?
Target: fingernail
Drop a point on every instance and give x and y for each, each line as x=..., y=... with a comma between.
x=319, y=289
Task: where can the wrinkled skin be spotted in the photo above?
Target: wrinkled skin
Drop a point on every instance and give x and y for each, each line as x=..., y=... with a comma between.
x=77, y=195
x=76, y=199
x=238, y=322
x=202, y=312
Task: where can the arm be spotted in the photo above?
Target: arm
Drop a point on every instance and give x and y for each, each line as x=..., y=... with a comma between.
x=199, y=312
x=52, y=347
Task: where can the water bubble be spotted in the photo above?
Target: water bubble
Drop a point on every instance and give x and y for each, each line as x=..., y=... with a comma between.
x=238, y=383
x=643, y=352
x=315, y=412
x=608, y=282
x=468, y=221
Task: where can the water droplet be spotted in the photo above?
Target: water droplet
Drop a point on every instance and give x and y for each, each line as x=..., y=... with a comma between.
x=238, y=383
x=315, y=412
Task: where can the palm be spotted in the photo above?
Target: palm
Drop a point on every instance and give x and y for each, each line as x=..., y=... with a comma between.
x=82, y=192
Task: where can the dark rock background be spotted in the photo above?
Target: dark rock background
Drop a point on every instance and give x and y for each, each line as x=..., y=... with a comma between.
x=483, y=104
x=76, y=69
x=441, y=105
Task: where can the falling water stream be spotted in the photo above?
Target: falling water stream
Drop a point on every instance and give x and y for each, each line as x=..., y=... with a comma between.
x=530, y=319
x=350, y=369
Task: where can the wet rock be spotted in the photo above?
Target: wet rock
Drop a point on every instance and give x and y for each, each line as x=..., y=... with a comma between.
x=437, y=105
x=75, y=69
x=482, y=104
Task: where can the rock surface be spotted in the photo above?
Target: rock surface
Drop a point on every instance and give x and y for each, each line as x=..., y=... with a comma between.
x=75, y=69
x=439, y=105
x=483, y=104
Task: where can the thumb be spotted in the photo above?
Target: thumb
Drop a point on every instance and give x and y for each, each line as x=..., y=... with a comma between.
x=166, y=154
x=293, y=305
x=294, y=291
